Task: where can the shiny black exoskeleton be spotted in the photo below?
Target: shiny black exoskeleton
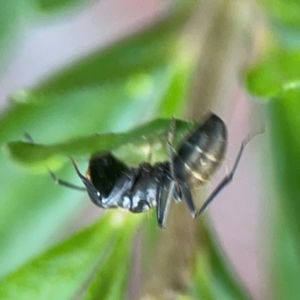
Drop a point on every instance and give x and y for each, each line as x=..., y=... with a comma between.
x=110, y=183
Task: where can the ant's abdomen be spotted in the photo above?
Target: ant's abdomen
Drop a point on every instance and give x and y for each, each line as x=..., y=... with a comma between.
x=201, y=153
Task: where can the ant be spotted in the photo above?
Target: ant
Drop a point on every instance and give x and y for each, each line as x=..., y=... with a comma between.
x=110, y=183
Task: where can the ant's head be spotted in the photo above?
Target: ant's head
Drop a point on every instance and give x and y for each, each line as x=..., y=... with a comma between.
x=103, y=172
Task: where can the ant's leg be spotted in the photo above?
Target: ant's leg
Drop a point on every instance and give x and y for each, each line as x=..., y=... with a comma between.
x=188, y=199
x=53, y=176
x=177, y=193
x=170, y=146
x=65, y=183
x=93, y=193
x=227, y=179
x=168, y=187
x=164, y=194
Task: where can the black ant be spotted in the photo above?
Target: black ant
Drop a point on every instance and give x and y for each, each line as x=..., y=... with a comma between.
x=110, y=183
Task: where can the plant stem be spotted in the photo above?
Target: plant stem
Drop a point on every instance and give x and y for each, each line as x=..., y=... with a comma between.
x=225, y=49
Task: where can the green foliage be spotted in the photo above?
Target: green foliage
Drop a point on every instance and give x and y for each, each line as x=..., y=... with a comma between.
x=272, y=74
x=62, y=271
x=114, y=89
x=279, y=64
x=284, y=116
x=142, y=52
x=213, y=277
x=285, y=13
x=141, y=138
x=50, y=6
x=278, y=78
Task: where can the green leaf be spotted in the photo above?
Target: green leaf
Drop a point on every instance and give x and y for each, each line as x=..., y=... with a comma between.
x=60, y=272
x=278, y=77
x=155, y=131
x=139, y=53
x=284, y=21
x=112, y=282
x=10, y=12
x=284, y=11
x=174, y=102
x=270, y=75
x=284, y=118
x=280, y=64
x=51, y=6
x=213, y=277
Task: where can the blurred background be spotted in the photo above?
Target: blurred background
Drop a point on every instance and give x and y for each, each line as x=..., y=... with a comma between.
x=48, y=90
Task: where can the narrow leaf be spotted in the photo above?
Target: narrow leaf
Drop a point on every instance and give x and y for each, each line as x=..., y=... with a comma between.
x=59, y=273
x=284, y=117
x=139, y=53
x=156, y=131
x=214, y=279
x=269, y=76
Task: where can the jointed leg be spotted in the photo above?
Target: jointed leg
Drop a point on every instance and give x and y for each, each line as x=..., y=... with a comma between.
x=227, y=179
x=93, y=193
x=165, y=189
x=188, y=199
x=65, y=183
x=177, y=193
x=164, y=194
x=53, y=176
x=170, y=146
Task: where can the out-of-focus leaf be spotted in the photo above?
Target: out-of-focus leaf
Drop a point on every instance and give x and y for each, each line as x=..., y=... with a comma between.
x=213, y=277
x=284, y=11
x=50, y=6
x=284, y=117
x=277, y=77
x=173, y=102
x=280, y=63
x=269, y=76
x=35, y=153
x=104, y=106
x=284, y=21
x=60, y=272
x=9, y=17
x=111, y=280
x=142, y=52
